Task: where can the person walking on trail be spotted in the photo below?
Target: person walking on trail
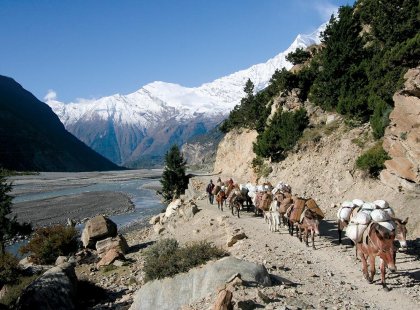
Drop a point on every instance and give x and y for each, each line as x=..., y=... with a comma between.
x=209, y=191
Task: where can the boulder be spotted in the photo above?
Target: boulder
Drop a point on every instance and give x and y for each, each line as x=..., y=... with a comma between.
x=235, y=236
x=109, y=258
x=55, y=289
x=117, y=243
x=173, y=207
x=224, y=301
x=97, y=228
x=186, y=288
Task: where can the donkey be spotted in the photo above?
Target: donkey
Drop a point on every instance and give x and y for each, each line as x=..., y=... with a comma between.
x=377, y=241
x=221, y=199
x=309, y=224
x=274, y=220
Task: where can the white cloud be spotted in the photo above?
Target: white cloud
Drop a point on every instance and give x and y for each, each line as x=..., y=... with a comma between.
x=51, y=95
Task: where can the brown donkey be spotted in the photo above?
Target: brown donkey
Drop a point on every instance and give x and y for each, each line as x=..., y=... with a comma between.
x=309, y=223
x=377, y=241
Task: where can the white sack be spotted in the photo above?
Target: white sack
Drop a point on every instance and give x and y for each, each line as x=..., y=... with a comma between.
x=358, y=202
x=382, y=204
x=361, y=218
x=344, y=213
x=348, y=204
x=390, y=225
x=379, y=215
x=355, y=232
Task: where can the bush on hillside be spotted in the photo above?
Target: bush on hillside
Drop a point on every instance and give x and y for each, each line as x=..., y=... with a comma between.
x=166, y=258
x=281, y=134
x=373, y=160
x=48, y=243
x=261, y=168
x=9, y=268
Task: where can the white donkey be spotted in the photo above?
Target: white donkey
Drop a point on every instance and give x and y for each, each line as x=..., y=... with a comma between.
x=274, y=221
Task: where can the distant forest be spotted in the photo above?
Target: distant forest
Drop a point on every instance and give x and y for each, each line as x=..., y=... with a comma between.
x=360, y=64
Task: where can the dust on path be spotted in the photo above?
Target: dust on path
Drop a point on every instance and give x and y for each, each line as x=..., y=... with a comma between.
x=326, y=278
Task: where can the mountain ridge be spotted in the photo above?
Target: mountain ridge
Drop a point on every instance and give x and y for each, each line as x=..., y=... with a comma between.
x=33, y=138
x=135, y=123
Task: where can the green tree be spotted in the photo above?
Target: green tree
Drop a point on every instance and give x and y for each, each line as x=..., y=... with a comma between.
x=174, y=181
x=6, y=222
x=299, y=56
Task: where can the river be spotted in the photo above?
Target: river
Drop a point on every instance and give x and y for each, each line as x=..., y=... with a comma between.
x=139, y=185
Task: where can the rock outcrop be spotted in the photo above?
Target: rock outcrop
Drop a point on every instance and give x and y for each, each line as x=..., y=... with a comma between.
x=402, y=137
x=55, y=289
x=234, y=155
x=182, y=289
x=97, y=228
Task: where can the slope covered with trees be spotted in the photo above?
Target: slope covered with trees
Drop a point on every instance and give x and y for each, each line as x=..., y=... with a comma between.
x=364, y=54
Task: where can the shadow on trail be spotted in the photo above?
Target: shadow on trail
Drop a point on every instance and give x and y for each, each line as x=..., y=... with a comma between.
x=140, y=246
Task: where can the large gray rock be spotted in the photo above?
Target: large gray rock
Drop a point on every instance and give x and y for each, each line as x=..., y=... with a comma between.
x=55, y=289
x=182, y=289
x=97, y=228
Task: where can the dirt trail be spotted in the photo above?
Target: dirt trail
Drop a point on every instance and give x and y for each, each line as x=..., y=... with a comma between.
x=328, y=277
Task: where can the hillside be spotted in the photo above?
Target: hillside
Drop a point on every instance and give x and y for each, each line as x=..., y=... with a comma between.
x=322, y=165
x=32, y=137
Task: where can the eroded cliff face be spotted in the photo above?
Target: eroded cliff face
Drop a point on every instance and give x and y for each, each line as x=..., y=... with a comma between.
x=402, y=137
x=234, y=156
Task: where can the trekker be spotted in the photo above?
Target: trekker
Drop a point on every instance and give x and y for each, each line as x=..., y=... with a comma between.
x=209, y=191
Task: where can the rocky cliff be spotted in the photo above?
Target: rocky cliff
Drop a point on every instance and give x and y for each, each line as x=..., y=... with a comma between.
x=402, y=137
x=323, y=164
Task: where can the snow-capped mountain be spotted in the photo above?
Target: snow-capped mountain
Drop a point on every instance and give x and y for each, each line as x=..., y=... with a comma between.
x=139, y=127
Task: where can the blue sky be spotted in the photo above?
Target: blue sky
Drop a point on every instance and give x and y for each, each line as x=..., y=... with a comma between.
x=91, y=48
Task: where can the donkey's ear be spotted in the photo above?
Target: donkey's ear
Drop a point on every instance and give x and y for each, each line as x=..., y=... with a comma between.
x=405, y=221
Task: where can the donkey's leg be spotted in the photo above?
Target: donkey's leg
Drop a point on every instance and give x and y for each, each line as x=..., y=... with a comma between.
x=364, y=266
x=372, y=267
x=383, y=271
x=339, y=231
x=313, y=239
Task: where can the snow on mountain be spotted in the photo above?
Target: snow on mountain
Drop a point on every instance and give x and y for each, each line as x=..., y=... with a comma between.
x=158, y=103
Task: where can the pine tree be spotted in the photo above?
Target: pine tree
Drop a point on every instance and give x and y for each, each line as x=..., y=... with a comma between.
x=174, y=181
x=6, y=223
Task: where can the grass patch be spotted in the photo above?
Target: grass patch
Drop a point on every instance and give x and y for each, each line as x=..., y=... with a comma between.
x=108, y=268
x=166, y=259
x=260, y=167
x=372, y=161
x=15, y=290
x=361, y=141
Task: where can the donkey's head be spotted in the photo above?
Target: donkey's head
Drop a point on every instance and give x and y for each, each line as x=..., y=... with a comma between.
x=383, y=240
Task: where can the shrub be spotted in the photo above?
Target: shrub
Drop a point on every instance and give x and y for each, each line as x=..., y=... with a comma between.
x=261, y=168
x=281, y=135
x=373, y=160
x=50, y=242
x=8, y=268
x=166, y=258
